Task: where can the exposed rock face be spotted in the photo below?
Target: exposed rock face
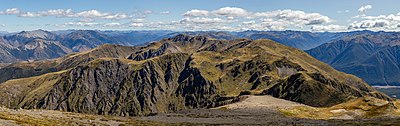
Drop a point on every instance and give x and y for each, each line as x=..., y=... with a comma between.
x=118, y=88
x=184, y=72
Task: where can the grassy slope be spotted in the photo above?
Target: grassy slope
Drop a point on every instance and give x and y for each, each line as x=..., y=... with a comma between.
x=365, y=107
x=51, y=118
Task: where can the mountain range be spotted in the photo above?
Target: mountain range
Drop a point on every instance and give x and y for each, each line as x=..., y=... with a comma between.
x=41, y=44
x=369, y=55
x=180, y=72
x=372, y=56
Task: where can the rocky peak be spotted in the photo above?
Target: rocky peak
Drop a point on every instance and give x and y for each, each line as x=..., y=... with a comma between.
x=188, y=38
x=36, y=34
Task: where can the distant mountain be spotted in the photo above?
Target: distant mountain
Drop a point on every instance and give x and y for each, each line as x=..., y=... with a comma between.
x=3, y=33
x=83, y=40
x=41, y=44
x=180, y=72
x=35, y=68
x=372, y=56
x=19, y=39
x=31, y=45
x=6, y=52
x=131, y=38
x=299, y=39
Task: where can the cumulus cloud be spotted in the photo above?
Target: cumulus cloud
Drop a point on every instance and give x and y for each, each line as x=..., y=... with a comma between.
x=225, y=18
x=90, y=14
x=345, y=11
x=366, y=24
x=112, y=24
x=235, y=18
x=249, y=22
x=11, y=11
x=165, y=12
x=203, y=20
x=2, y=25
x=196, y=13
x=328, y=28
x=57, y=13
x=231, y=12
x=295, y=16
x=364, y=8
x=147, y=11
x=136, y=25
x=84, y=24
x=66, y=13
x=87, y=20
x=140, y=20
x=380, y=22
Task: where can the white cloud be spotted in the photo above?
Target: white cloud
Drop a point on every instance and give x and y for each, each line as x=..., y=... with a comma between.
x=140, y=20
x=225, y=18
x=235, y=18
x=203, y=20
x=57, y=13
x=87, y=20
x=165, y=12
x=147, y=11
x=296, y=17
x=136, y=25
x=271, y=24
x=380, y=22
x=117, y=16
x=91, y=14
x=2, y=25
x=231, y=12
x=345, y=11
x=112, y=24
x=249, y=22
x=391, y=17
x=30, y=14
x=328, y=28
x=366, y=24
x=196, y=13
x=364, y=8
x=85, y=24
x=11, y=11
x=67, y=13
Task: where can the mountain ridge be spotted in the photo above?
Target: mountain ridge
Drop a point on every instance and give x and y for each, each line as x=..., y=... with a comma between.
x=201, y=72
x=373, y=57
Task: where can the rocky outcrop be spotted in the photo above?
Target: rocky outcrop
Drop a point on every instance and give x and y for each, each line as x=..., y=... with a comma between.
x=114, y=87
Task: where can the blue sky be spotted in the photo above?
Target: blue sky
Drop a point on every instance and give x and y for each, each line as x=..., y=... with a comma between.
x=231, y=15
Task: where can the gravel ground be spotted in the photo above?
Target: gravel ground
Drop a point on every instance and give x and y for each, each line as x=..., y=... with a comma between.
x=255, y=110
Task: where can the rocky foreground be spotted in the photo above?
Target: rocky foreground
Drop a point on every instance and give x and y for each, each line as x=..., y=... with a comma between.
x=253, y=110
